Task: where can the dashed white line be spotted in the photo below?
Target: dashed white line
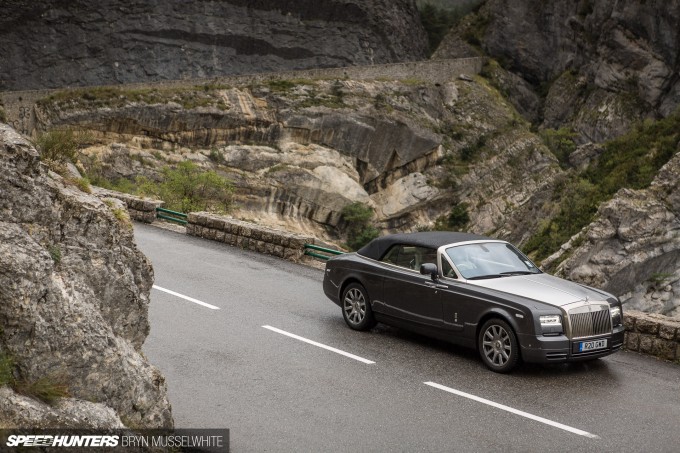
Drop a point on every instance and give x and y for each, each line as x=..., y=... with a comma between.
x=512, y=410
x=190, y=299
x=320, y=345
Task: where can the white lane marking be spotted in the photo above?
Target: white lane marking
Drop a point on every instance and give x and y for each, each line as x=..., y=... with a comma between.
x=190, y=299
x=514, y=411
x=329, y=348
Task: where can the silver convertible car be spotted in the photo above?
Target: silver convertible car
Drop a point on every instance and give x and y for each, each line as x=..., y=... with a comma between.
x=477, y=292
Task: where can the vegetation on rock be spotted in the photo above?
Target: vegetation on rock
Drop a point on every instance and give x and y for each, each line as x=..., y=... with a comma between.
x=358, y=227
x=630, y=161
x=59, y=147
x=189, y=188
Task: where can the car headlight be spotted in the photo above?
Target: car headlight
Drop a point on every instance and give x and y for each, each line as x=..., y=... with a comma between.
x=617, y=319
x=551, y=324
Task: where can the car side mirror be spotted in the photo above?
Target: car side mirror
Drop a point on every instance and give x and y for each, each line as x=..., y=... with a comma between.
x=430, y=268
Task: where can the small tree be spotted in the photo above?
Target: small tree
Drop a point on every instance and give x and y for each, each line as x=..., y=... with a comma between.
x=357, y=218
x=188, y=188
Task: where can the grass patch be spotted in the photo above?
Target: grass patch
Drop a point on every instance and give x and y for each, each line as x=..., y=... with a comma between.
x=55, y=253
x=122, y=216
x=60, y=147
x=6, y=369
x=47, y=389
x=187, y=97
x=276, y=168
x=286, y=85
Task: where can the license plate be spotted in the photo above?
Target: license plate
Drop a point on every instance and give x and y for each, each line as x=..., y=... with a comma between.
x=586, y=346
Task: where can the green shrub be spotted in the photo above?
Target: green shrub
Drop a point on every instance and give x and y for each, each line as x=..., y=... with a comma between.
x=216, y=156
x=55, y=253
x=456, y=220
x=359, y=230
x=560, y=142
x=6, y=369
x=188, y=188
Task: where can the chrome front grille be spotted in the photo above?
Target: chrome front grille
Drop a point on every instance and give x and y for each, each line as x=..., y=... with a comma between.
x=590, y=320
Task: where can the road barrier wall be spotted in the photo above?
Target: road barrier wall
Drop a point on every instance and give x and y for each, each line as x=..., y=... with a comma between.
x=140, y=209
x=248, y=235
x=652, y=334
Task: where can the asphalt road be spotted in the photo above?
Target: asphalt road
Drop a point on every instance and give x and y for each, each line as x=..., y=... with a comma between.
x=278, y=393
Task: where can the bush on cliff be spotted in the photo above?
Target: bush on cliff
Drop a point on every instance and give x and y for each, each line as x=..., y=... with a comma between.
x=188, y=188
x=358, y=227
x=631, y=161
x=60, y=147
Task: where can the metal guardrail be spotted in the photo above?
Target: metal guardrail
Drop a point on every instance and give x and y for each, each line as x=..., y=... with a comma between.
x=177, y=217
x=310, y=251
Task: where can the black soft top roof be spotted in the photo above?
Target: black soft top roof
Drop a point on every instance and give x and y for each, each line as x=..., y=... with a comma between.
x=430, y=239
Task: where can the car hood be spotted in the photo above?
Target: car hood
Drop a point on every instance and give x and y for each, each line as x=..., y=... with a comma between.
x=541, y=287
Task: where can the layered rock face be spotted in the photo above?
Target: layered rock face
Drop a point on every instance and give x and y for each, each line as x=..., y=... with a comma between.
x=633, y=247
x=301, y=150
x=74, y=294
x=603, y=65
x=49, y=44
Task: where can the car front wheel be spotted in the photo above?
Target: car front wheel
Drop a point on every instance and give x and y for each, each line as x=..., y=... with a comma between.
x=498, y=347
x=356, y=308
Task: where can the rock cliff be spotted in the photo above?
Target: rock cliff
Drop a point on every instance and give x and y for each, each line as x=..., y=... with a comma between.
x=595, y=66
x=633, y=247
x=74, y=292
x=56, y=44
x=300, y=150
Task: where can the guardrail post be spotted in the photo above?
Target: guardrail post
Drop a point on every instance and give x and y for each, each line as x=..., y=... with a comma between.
x=177, y=217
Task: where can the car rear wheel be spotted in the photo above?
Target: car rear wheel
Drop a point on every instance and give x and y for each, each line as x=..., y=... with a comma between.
x=498, y=347
x=356, y=307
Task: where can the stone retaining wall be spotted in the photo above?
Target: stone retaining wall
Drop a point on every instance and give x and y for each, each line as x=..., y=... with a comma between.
x=140, y=209
x=652, y=334
x=248, y=235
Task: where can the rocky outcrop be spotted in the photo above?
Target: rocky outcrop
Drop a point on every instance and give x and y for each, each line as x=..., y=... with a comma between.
x=633, y=247
x=56, y=44
x=74, y=295
x=299, y=151
x=600, y=65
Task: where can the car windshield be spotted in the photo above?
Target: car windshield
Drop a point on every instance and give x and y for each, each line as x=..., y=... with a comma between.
x=490, y=260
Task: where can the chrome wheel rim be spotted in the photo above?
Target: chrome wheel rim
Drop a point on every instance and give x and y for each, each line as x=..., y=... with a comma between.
x=496, y=345
x=355, y=306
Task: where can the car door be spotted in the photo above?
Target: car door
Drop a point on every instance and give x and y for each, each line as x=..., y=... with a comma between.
x=459, y=304
x=409, y=295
